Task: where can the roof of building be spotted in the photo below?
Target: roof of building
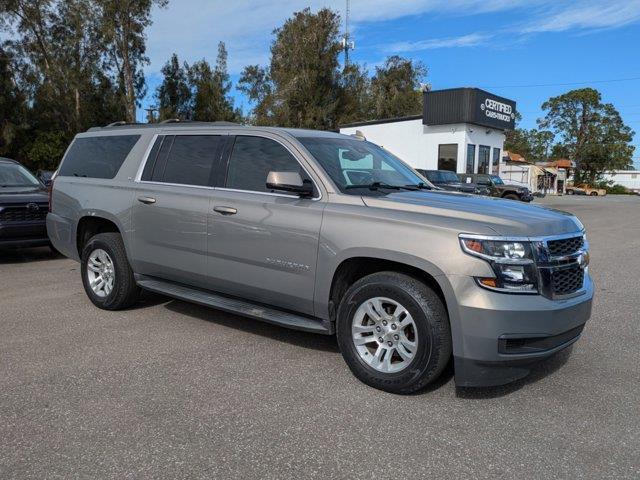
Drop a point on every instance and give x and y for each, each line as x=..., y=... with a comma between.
x=515, y=157
x=381, y=121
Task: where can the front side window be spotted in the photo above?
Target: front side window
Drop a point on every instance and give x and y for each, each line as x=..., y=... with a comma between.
x=496, y=180
x=97, y=157
x=483, y=159
x=14, y=175
x=448, y=157
x=354, y=165
x=252, y=158
x=471, y=158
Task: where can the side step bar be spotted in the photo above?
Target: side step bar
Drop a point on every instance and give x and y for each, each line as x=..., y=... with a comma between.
x=235, y=305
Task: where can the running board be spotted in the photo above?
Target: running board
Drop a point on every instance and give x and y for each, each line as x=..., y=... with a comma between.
x=235, y=305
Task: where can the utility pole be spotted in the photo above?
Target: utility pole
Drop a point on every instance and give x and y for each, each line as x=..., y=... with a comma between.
x=151, y=118
x=347, y=43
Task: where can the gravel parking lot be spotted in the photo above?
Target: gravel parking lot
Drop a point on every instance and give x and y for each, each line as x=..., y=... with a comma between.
x=174, y=390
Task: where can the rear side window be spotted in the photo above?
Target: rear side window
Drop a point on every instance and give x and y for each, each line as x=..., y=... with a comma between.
x=97, y=157
x=253, y=158
x=186, y=159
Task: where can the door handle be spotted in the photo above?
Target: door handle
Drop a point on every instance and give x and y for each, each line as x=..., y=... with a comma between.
x=225, y=210
x=147, y=200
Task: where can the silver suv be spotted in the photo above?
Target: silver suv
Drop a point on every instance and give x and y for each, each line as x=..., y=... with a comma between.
x=325, y=233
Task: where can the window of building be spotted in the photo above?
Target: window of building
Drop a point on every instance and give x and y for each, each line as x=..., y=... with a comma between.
x=448, y=157
x=471, y=158
x=97, y=157
x=496, y=162
x=484, y=153
x=253, y=158
x=189, y=161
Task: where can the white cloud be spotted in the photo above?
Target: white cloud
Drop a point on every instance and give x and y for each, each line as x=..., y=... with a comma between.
x=587, y=16
x=470, y=40
x=192, y=28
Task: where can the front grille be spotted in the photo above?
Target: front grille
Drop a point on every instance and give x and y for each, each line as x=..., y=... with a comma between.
x=567, y=280
x=565, y=246
x=22, y=214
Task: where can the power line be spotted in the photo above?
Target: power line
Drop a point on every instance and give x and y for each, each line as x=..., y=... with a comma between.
x=564, y=84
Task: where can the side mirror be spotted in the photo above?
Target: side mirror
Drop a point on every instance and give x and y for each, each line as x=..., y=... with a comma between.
x=289, y=182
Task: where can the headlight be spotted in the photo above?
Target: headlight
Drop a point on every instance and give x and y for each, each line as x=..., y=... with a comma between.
x=511, y=261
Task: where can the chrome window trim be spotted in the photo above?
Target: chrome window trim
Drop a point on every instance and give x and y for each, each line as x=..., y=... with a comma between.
x=138, y=178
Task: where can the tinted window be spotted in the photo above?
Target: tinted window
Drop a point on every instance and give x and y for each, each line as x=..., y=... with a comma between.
x=190, y=160
x=151, y=160
x=253, y=158
x=448, y=157
x=97, y=157
x=483, y=159
x=14, y=175
x=471, y=157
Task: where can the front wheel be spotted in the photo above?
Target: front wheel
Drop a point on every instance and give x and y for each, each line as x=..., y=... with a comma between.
x=511, y=196
x=594, y=194
x=393, y=332
x=106, y=275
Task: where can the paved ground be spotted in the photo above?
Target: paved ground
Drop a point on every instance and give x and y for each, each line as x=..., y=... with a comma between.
x=172, y=390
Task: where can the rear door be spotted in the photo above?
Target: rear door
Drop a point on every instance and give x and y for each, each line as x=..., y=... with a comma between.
x=171, y=207
x=263, y=245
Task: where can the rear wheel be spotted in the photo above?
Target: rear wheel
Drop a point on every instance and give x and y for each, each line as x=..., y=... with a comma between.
x=569, y=192
x=393, y=332
x=594, y=194
x=106, y=275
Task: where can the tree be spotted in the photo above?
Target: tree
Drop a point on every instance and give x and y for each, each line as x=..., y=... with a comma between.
x=590, y=132
x=395, y=88
x=12, y=108
x=123, y=24
x=174, y=94
x=355, y=95
x=301, y=87
x=210, y=89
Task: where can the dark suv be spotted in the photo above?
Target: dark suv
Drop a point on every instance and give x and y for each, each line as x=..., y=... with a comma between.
x=496, y=187
x=23, y=207
x=448, y=180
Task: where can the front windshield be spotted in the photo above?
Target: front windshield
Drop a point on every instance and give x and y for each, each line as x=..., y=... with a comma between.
x=442, y=176
x=354, y=165
x=13, y=175
x=496, y=180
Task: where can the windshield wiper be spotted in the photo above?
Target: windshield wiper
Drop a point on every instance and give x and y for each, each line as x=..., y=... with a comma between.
x=385, y=186
x=420, y=186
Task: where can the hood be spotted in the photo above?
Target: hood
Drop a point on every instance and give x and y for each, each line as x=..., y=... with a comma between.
x=17, y=195
x=505, y=217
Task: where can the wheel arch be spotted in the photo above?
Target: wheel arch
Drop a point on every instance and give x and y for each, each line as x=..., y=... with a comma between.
x=94, y=223
x=356, y=263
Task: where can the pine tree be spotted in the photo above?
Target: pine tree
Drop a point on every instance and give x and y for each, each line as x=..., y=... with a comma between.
x=174, y=94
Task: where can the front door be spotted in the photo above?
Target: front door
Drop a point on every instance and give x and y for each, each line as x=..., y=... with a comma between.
x=171, y=208
x=263, y=245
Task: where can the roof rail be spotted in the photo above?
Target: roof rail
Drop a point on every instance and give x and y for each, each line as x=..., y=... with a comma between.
x=171, y=120
x=120, y=123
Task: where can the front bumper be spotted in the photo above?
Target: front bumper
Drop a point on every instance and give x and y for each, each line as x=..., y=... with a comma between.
x=497, y=336
x=23, y=234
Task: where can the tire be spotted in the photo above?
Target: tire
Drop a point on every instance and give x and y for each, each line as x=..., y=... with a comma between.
x=511, y=196
x=569, y=192
x=429, y=318
x=593, y=194
x=124, y=291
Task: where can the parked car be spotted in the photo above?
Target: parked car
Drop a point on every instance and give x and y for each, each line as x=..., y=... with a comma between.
x=497, y=187
x=448, y=180
x=45, y=176
x=23, y=207
x=324, y=233
x=584, y=189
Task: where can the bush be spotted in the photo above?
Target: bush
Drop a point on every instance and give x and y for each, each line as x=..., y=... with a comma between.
x=617, y=190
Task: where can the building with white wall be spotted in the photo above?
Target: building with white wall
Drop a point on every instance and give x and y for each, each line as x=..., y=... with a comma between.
x=461, y=130
x=627, y=178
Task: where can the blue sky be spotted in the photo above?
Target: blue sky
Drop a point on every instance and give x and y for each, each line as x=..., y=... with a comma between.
x=523, y=50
